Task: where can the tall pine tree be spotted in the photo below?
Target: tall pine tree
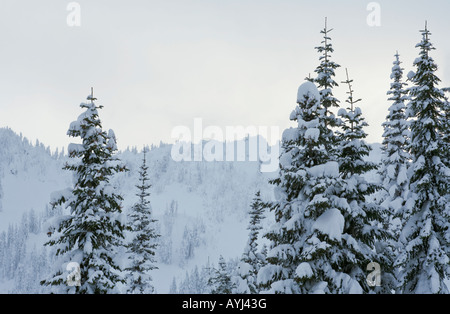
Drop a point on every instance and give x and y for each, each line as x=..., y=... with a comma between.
x=426, y=232
x=252, y=260
x=142, y=248
x=446, y=127
x=309, y=252
x=221, y=281
x=395, y=160
x=363, y=218
x=92, y=232
x=325, y=82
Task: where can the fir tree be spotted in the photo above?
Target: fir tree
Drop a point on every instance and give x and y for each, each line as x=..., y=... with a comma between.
x=173, y=287
x=325, y=83
x=309, y=252
x=352, y=146
x=252, y=260
x=446, y=128
x=195, y=282
x=92, y=233
x=396, y=157
x=395, y=161
x=363, y=219
x=221, y=281
x=426, y=235
x=143, y=245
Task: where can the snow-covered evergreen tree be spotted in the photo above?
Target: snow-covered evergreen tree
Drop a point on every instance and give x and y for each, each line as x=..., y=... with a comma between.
x=165, y=247
x=221, y=281
x=13, y=251
x=195, y=282
x=395, y=160
x=142, y=247
x=252, y=260
x=92, y=233
x=191, y=240
x=309, y=252
x=199, y=281
x=446, y=128
x=364, y=219
x=426, y=231
x=325, y=83
x=173, y=287
x=352, y=147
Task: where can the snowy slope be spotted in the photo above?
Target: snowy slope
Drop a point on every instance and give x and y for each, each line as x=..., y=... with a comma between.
x=202, y=205
x=201, y=208
x=28, y=173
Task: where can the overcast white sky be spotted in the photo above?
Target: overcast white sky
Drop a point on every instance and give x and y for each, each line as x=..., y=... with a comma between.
x=159, y=64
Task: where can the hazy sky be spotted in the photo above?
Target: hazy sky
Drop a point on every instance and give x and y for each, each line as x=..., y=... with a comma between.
x=159, y=64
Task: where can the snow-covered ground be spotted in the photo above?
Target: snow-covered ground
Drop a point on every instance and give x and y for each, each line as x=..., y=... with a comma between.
x=202, y=205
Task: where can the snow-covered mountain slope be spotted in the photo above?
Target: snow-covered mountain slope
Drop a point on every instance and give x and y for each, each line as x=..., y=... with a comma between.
x=201, y=208
x=28, y=173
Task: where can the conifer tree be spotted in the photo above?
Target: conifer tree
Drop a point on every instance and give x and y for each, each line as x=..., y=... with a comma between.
x=396, y=157
x=221, y=281
x=352, y=145
x=142, y=248
x=446, y=128
x=252, y=260
x=196, y=281
x=326, y=83
x=395, y=162
x=92, y=232
x=173, y=287
x=364, y=219
x=309, y=252
x=425, y=234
